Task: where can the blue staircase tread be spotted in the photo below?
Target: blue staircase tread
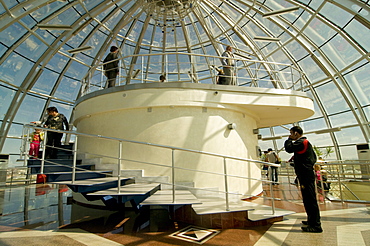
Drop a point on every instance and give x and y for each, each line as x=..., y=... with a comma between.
x=88, y=171
x=90, y=182
x=54, y=168
x=56, y=165
x=34, y=162
x=127, y=190
x=164, y=197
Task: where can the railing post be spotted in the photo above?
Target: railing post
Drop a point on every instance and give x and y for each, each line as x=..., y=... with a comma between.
x=340, y=185
x=25, y=136
x=119, y=167
x=315, y=184
x=173, y=176
x=291, y=75
x=142, y=69
x=102, y=78
x=271, y=191
x=74, y=160
x=226, y=186
x=236, y=72
x=43, y=152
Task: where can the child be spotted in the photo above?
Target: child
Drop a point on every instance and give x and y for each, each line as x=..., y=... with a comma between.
x=36, y=137
x=318, y=183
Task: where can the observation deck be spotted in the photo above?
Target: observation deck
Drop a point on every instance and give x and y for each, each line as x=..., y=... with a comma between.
x=210, y=118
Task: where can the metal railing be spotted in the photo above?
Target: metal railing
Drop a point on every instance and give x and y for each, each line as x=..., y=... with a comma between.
x=344, y=180
x=147, y=68
x=119, y=158
x=349, y=180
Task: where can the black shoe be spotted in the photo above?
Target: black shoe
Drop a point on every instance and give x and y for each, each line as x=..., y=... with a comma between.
x=314, y=229
x=305, y=222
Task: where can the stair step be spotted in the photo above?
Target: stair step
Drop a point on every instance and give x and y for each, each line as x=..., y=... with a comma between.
x=256, y=212
x=134, y=173
x=179, y=186
x=35, y=169
x=129, y=190
x=156, y=179
x=34, y=162
x=164, y=197
x=92, y=185
x=65, y=176
x=263, y=212
x=214, y=205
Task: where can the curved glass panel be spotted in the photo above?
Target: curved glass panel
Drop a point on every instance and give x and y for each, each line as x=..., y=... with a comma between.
x=331, y=98
x=6, y=96
x=358, y=81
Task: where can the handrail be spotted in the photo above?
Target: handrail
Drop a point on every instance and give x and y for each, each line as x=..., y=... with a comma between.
x=340, y=174
x=156, y=145
x=119, y=158
x=284, y=76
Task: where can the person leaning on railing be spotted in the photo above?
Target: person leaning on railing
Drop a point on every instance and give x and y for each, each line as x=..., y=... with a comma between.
x=55, y=121
x=228, y=66
x=111, y=70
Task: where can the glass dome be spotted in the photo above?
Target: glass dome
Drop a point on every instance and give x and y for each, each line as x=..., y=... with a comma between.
x=49, y=48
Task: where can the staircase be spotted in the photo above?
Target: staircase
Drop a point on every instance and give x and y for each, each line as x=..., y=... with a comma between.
x=61, y=169
x=137, y=191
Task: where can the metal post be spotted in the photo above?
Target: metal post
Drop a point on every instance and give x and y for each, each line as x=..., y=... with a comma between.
x=25, y=137
x=173, y=176
x=142, y=69
x=316, y=188
x=119, y=167
x=43, y=152
x=353, y=171
x=102, y=78
x=11, y=178
x=74, y=160
x=340, y=186
x=23, y=146
x=291, y=73
x=256, y=76
x=236, y=72
x=271, y=191
x=322, y=187
x=166, y=64
x=226, y=186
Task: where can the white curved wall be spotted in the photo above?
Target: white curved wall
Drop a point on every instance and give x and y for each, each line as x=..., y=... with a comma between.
x=190, y=116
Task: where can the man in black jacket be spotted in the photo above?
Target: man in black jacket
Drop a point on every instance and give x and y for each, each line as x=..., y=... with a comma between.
x=111, y=68
x=55, y=121
x=304, y=160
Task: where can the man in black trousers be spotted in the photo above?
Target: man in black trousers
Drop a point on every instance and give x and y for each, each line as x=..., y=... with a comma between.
x=111, y=69
x=304, y=160
x=55, y=121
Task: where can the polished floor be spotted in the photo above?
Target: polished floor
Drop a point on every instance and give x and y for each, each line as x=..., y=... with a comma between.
x=45, y=215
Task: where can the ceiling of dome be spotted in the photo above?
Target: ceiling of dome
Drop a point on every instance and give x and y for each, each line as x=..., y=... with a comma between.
x=50, y=49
